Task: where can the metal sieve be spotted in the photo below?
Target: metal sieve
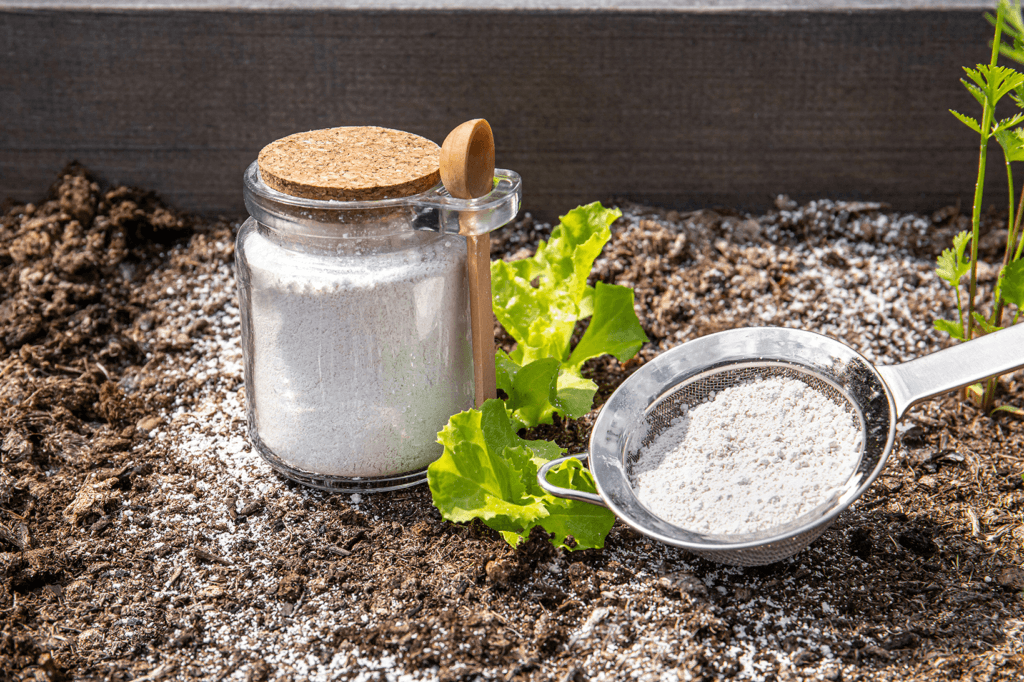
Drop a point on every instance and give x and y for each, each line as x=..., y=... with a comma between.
x=876, y=397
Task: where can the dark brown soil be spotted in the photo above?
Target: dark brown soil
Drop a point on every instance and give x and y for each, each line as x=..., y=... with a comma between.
x=140, y=539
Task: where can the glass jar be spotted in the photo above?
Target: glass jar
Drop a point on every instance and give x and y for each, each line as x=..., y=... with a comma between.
x=356, y=328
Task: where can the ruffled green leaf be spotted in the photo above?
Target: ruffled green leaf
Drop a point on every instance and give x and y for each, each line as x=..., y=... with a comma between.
x=574, y=245
x=531, y=389
x=480, y=476
x=575, y=394
x=614, y=328
x=487, y=472
x=540, y=389
x=540, y=319
x=588, y=524
x=539, y=299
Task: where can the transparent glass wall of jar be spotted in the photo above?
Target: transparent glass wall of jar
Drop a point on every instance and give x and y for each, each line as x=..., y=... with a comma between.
x=356, y=332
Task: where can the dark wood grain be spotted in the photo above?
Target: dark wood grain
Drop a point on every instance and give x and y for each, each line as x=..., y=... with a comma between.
x=682, y=109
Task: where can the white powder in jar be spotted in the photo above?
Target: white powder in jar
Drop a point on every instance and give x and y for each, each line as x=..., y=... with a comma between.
x=754, y=456
x=357, y=361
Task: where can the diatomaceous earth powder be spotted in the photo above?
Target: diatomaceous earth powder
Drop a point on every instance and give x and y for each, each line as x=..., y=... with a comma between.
x=357, y=361
x=754, y=456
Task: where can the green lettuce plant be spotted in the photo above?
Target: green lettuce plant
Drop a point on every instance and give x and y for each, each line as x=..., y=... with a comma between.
x=487, y=471
x=989, y=84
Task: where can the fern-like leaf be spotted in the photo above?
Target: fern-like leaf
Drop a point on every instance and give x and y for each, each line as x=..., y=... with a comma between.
x=1012, y=142
x=993, y=82
x=1012, y=27
x=1006, y=123
x=975, y=75
x=978, y=93
x=1002, y=79
x=967, y=121
x=950, y=265
x=984, y=324
x=954, y=329
x=1011, y=283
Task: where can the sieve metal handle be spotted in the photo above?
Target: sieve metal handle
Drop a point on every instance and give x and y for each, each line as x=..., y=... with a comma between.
x=542, y=479
x=947, y=370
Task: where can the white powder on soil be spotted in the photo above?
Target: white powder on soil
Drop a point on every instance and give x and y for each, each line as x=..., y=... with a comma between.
x=755, y=456
x=205, y=440
x=357, y=362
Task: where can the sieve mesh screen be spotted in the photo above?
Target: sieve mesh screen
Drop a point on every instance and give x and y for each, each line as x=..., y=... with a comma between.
x=705, y=386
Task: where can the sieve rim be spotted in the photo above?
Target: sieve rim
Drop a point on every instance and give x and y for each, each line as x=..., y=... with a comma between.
x=808, y=352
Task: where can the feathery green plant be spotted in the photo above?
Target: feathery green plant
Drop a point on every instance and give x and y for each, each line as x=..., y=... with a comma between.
x=990, y=83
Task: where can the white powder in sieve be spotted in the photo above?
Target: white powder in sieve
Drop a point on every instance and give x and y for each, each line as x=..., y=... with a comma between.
x=357, y=361
x=755, y=456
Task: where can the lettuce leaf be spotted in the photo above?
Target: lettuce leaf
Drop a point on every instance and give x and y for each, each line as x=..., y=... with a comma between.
x=540, y=319
x=587, y=523
x=531, y=389
x=488, y=472
x=540, y=389
x=614, y=329
x=539, y=300
x=483, y=471
x=574, y=395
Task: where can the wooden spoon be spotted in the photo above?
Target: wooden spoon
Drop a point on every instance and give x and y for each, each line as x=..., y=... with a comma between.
x=467, y=171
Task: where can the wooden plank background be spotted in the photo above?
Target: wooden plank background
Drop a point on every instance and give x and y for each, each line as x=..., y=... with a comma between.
x=683, y=109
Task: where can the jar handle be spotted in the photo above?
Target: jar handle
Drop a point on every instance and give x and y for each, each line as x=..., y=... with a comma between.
x=473, y=216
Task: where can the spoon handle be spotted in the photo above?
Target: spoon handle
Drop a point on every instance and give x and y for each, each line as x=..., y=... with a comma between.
x=467, y=171
x=481, y=317
x=947, y=370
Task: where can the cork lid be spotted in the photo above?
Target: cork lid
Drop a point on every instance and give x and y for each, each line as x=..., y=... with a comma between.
x=358, y=163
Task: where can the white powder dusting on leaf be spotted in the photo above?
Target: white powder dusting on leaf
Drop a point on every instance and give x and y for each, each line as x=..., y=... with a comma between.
x=755, y=456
